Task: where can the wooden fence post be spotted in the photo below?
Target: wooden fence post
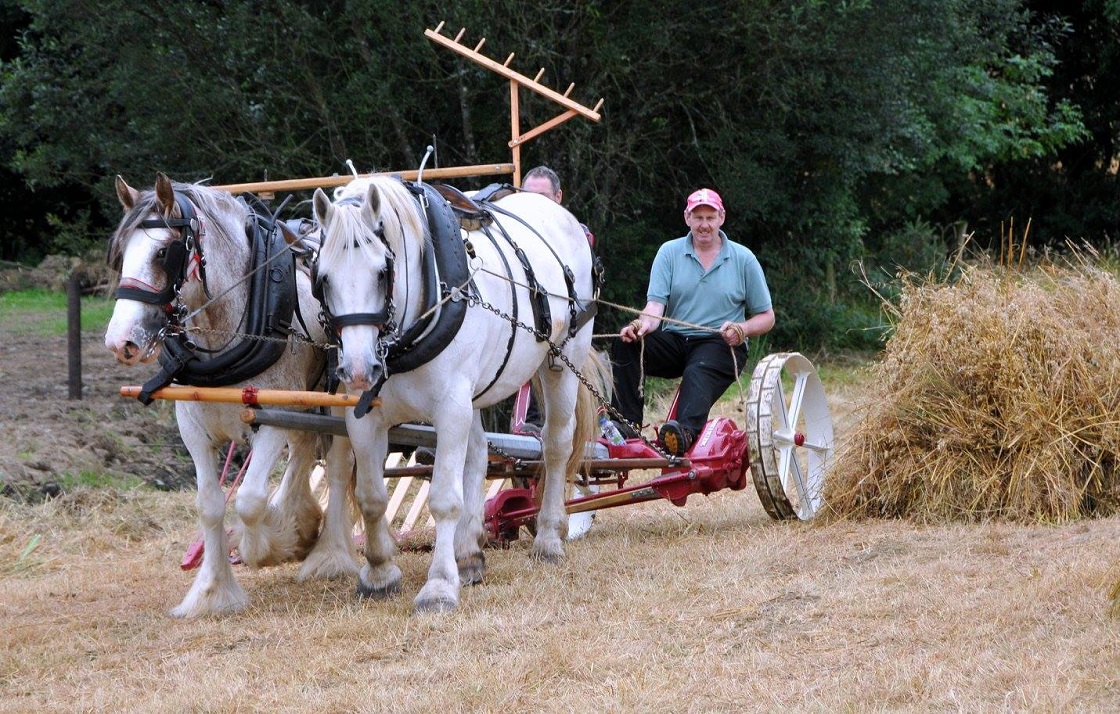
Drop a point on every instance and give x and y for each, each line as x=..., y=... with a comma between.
x=74, y=333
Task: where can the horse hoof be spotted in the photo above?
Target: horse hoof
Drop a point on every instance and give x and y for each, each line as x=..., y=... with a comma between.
x=365, y=592
x=471, y=569
x=548, y=557
x=436, y=606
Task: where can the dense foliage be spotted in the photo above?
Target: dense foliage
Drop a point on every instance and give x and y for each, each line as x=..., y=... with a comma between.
x=836, y=131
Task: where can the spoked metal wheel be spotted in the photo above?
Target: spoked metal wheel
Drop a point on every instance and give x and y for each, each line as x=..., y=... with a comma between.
x=789, y=427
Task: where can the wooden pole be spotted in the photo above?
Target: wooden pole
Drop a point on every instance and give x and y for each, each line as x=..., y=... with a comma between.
x=520, y=139
x=74, y=333
x=330, y=181
x=249, y=395
x=515, y=131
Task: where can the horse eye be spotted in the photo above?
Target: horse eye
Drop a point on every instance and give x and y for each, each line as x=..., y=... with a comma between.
x=161, y=253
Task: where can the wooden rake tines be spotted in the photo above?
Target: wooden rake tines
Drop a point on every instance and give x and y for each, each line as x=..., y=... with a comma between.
x=407, y=511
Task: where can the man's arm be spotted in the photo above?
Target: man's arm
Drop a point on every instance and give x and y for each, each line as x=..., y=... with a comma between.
x=643, y=324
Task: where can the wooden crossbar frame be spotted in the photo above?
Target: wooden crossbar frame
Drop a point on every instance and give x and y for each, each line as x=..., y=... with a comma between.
x=517, y=80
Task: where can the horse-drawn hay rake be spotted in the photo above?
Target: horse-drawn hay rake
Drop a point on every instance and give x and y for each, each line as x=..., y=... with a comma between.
x=440, y=371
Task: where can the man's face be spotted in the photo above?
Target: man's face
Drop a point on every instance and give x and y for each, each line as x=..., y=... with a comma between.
x=704, y=222
x=541, y=185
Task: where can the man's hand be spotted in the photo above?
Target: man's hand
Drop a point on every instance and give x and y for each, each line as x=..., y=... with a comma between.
x=634, y=330
x=733, y=333
x=644, y=323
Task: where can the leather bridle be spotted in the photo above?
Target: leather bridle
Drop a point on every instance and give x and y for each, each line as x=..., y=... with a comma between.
x=176, y=257
x=382, y=319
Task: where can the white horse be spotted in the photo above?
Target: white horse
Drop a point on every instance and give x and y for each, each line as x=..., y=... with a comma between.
x=177, y=246
x=371, y=275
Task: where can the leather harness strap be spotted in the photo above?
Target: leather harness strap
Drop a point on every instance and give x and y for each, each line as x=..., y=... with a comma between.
x=269, y=312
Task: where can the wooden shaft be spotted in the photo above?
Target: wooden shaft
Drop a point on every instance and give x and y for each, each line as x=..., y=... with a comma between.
x=329, y=181
x=237, y=395
x=609, y=500
x=515, y=130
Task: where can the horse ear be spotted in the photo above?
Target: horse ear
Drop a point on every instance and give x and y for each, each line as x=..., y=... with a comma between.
x=321, y=206
x=371, y=208
x=127, y=195
x=165, y=193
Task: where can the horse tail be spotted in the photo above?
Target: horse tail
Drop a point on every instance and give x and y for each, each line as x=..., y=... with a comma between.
x=596, y=370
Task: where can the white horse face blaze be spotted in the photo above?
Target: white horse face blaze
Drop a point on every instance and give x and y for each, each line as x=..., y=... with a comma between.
x=352, y=262
x=349, y=292
x=132, y=332
x=135, y=325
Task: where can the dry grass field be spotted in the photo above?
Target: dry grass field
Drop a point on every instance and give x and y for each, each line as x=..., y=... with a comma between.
x=712, y=607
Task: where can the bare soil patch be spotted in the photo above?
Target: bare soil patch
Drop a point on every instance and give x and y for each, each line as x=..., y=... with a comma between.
x=52, y=442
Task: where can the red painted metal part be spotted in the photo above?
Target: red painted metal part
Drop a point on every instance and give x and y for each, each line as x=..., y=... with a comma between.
x=717, y=461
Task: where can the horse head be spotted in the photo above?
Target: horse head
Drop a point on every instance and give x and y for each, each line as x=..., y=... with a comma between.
x=353, y=279
x=152, y=250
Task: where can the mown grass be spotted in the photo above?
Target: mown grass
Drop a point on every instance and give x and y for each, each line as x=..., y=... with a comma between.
x=43, y=312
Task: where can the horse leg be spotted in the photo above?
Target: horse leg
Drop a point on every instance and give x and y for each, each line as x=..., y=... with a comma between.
x=215, y=590
x=293, y=500
x=445, y=502
x=470, y=536
x=267, y=536
x=333, y=555
x=559, y=427
x=380, y=577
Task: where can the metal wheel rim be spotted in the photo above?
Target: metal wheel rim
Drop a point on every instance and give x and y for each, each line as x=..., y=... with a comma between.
x=790, y=436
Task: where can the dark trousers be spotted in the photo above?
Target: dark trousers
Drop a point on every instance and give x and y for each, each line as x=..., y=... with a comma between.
x=533, y=411
x=704, y=364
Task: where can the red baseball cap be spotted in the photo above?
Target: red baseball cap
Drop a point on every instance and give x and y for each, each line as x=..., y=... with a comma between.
x=704, y=197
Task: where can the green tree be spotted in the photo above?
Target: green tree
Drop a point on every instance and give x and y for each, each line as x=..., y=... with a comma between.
x=834, y=130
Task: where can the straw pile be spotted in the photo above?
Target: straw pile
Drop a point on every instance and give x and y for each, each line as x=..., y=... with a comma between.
x=998, y=397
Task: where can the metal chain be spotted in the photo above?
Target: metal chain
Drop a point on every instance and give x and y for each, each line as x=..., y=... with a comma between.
x=556, y=352
x=494, y=448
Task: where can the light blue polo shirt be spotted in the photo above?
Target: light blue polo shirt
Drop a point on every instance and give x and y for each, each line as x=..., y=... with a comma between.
x=734, y=288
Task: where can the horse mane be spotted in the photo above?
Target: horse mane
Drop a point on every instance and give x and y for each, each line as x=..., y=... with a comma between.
x=402, y=219
x=209, y=202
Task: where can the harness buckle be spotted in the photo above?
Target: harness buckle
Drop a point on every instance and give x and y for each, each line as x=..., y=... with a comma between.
x=554, y=364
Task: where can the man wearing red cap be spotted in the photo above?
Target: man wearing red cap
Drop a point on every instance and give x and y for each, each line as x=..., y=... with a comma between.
x=708, y=296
